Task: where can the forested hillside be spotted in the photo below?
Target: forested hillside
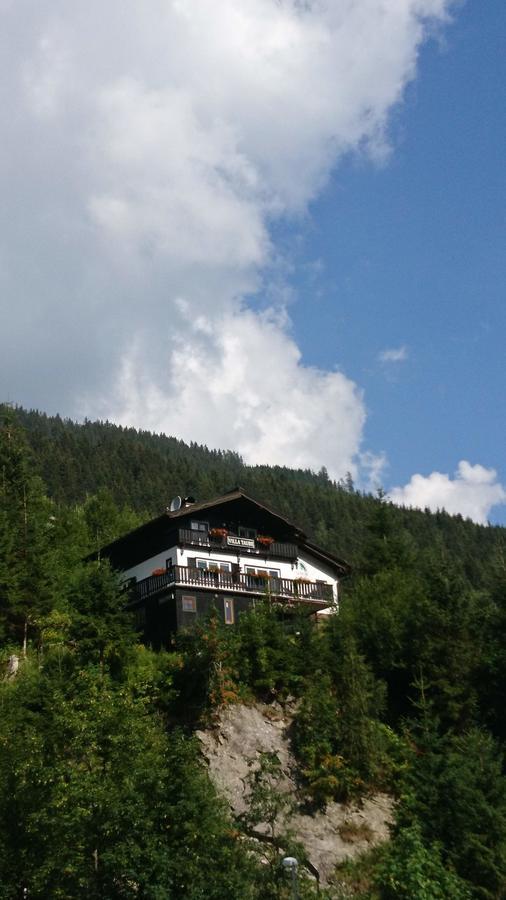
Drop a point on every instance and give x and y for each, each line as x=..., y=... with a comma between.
x=102, y=790
x=143, y=471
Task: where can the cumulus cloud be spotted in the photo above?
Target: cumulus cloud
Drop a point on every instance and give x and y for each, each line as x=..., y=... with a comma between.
x=394, y=355
x=227, y=377
x=472, y=492
x=148, y=149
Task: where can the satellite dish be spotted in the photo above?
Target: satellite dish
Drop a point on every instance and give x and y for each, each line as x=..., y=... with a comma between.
x=175, y=504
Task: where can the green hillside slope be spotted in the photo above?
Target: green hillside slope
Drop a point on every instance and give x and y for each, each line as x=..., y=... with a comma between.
x=144, y=471
x=103, y=794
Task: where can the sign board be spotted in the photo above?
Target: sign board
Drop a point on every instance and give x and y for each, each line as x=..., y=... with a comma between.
x=247, y=543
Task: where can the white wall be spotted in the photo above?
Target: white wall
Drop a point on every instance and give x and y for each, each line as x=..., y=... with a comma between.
x=315, y=570
x=145, y=568
x=305, y=567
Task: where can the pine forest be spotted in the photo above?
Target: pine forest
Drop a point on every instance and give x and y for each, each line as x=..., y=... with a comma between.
x=103, y=789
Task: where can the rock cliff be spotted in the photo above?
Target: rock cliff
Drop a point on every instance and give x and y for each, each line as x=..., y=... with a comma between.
x=234, y=746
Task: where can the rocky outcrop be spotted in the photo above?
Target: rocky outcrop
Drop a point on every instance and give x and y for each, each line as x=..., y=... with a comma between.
x=340, y=832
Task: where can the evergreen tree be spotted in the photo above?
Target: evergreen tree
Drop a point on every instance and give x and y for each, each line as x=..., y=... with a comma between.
x=25, y=538
x=96, y=801
x=455, y=794
x=102, y=630
x=412, y=870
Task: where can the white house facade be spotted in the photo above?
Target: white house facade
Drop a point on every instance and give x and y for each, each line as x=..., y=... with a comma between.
x=226, y=554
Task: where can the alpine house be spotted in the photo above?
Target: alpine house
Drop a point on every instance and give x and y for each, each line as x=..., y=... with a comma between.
x=226, y=554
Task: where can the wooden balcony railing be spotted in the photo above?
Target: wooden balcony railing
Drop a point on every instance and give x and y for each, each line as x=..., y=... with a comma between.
x=282, y=549
x=238, y=582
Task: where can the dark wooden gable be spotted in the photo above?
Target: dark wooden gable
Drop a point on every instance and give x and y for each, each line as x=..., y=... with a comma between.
x=229, y=511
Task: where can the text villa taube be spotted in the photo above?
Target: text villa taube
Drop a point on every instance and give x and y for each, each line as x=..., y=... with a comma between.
x=240, y=542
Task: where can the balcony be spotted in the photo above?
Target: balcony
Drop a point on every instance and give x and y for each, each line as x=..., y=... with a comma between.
x=240, y=582
x=231, y=542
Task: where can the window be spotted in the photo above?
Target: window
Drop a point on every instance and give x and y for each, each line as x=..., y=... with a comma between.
x=168, y=563
x=214, y=565
x=198, y=534
x=267, y=579
x=246, y=532
x=263, y=573
x=228, y=610
x=199, y=526
x=213, y=571
x=189, y=604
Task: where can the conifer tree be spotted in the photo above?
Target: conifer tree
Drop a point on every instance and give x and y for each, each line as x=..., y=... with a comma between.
x=25, y=534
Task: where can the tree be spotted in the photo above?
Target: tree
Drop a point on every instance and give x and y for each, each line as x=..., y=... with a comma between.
x=387, y=544
x=265, y=651
x=491, y=680
x=336, y=732
x=411, y=870
x=456, y=793
x=102, y=630
x=267, y=818
x=97, y=801
x=25, y=538
x=105, y=521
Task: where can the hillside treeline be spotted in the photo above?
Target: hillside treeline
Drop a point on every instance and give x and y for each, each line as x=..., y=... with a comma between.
x=143, y=471
x=102, y=791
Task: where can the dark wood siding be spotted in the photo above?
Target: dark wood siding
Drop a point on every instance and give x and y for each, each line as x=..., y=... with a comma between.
x=205, y=603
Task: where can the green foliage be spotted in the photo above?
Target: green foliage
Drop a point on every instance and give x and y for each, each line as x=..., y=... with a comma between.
x=412, y=871
x=491, y=676
x=26, y=521
x=265, y=656
x=337, y=733
x=268, y=818
x=205, y=679
x=80, y=795
x=105, y=521
x=206, y=858
x=101, y=629
x=456, y=791
x=143, y=471
x=152, y=675
x=430, y=621
x=97, y=801
x=267, y=649
x=387, y=545
x=403, y=690
x=267, y=804
x=315, y=739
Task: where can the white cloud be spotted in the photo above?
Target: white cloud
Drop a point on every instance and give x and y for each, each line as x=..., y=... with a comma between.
x=395, y=354
x=473, y=492
x=372, y=467
x=147, y=150
x=240, y=378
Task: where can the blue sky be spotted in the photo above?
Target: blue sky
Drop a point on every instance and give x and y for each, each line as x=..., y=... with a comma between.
x=412, y=254
x=269, y=226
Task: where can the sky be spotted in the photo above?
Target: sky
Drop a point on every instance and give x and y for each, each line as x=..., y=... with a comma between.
x=273, y=226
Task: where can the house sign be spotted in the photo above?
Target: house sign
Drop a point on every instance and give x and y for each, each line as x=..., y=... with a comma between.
x=248, y=543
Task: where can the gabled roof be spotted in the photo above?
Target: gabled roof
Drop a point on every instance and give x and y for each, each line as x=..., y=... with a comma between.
x=158, y=526
x=235, y=494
